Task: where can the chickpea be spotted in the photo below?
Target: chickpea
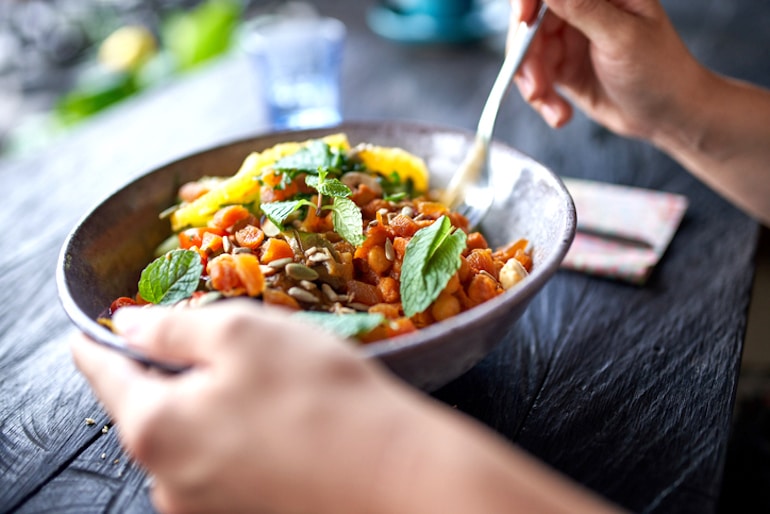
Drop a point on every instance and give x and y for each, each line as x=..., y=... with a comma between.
x=445, y=306
x=377, y=260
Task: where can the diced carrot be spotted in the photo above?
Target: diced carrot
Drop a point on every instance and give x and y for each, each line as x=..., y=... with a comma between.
x=506, y=252
x=249, y=273
x=403, y=226
x=274, y=249
x=432, y=210
x=280, y=298
x=193, y=190
x=211, y=243
x=482, y=288
x=422, y=319
x=400, y=326
x=458, y=220
x=389, y=310
x=228, y=216
x=389, y=291
x=480, y=260
x=524, y=258
x=476, y=241
x=375, y=236
x=224, y=275
x=191, y=237
x=399, y=245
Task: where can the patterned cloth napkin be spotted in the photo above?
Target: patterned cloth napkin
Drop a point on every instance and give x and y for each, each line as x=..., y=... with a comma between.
x=622, y=232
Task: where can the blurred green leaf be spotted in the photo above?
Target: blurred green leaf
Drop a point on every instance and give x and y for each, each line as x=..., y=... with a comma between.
x=196, y=36
x=93, y=93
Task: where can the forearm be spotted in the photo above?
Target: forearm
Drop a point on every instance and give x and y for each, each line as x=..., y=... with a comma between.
x=722, y=136
x=450, y=464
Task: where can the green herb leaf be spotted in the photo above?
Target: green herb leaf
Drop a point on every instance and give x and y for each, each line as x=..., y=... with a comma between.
x=432, y=257
x=344, y=325
x=348, y=221
x=277, y=212
x=171, y=277
x=316, y=154
x=328, y=186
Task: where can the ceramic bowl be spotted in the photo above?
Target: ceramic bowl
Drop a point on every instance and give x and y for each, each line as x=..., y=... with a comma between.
x=103, y=256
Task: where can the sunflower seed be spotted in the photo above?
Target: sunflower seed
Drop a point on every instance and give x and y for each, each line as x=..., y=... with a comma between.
x=310, y=251
x=267, y=270
x=329, y=292
x=308, y=285
x=390, y=253
x=358, y=306
x=303, y=296
x=407, y=211
x=241, y=249
x=227, y=245
x=318, y=258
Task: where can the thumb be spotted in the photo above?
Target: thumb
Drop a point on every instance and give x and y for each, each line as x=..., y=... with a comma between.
x=602, y=20
x=162, y=334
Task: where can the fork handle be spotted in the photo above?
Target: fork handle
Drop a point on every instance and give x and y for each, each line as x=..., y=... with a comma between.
x=518, y=49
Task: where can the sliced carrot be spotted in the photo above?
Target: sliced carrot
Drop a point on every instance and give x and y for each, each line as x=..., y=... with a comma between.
x=250, y=237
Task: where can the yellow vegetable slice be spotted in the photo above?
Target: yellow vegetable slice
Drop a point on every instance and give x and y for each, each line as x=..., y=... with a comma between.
x=243, y=187
x=386, y=160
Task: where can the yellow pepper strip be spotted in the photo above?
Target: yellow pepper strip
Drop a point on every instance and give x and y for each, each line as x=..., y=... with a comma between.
x=243, y=187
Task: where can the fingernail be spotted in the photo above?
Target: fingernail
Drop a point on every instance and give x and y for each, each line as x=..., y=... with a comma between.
x=526, y=86
x=128, y=320
x=551, y=114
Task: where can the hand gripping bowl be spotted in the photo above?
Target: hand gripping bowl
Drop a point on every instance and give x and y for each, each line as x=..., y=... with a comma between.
x=104, y=255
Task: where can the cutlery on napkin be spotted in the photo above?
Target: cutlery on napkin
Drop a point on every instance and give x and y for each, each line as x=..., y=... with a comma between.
x=622, y=231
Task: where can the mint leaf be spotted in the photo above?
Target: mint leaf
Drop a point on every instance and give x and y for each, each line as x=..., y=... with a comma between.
x=344, y=325
x=277, y=212
x=328, y=186
x=316, y=154
x=432, y=257
x=348, y=221
x=171, y=277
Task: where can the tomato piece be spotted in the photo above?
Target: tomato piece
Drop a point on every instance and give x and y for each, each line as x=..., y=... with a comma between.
x=122, y=301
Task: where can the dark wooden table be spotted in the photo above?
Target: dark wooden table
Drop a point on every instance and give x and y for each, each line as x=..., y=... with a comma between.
x=627, y=389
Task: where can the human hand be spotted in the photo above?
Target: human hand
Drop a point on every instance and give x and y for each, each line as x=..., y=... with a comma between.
x=271, y=416
x=620, y=61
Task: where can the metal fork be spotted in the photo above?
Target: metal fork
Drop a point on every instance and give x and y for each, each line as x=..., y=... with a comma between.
x=468, y=191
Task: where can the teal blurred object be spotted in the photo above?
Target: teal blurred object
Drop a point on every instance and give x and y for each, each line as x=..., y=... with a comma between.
x=438, y=21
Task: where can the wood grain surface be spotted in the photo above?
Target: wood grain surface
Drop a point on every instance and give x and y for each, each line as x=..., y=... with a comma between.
x=628, y=390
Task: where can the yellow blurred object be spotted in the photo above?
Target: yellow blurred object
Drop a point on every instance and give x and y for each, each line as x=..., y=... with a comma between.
x=243, y=187
x=387, y=160
x=127, y=48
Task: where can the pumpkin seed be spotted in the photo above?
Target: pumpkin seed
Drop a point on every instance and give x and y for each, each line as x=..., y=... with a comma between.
x=280, y=263
x=300, y=272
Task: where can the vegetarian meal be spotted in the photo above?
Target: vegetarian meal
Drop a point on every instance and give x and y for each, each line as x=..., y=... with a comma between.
x=350, y=237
